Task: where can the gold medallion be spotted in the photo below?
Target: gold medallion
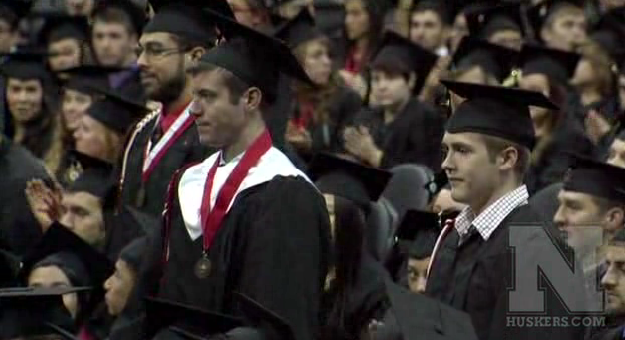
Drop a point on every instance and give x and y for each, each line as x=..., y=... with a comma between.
x=203, y=267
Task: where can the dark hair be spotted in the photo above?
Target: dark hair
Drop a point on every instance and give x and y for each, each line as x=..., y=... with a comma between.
x=117, y=16
x=186, y=44
x=376, y=23
x=10, y=17
x=236, y=87
x=436, y=7
x=495, y=145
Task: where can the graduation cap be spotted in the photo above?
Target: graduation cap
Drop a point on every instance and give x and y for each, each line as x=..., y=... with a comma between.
x=399, y=54
x=540, y=13
x=162, y=314
x=426, y=227
x=496, y=111
x=260, y=316
x=421, y=317
x=135, y=13
x=124, y=227
x=597, y=179
x=25, y=65
x=486, y=21
x=185, y=18
x=13, y=10
x=92, y=175
x=132, y=253
x=88, y=78
x=558, y=65
x=356, y=182
x=495, y=60
x=437, y=183
x=116, y=111
x=298, y=30
x=255, y=58
x=29, y=311
x=60, y=26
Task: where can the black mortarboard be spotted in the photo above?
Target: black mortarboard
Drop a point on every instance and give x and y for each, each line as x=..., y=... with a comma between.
x=609, y=32
x=29, y=311
x=25, y=65
x=597, y=179
x=93, y=175
x=298, y=30
x=495, y=60
x=59, y=26
x=421, y=317
x=356, y=182
x=437, y=183
x=88, y=78
x=558, y=65
x=163, y=314
x=186, y=18
x=484, y=22
x=136, y=14
x=255, y=58
x=496, y=111
x=422, y=229
x=538, y=14
x=116, y=111
x=132, y=253
x=123, y=226
x=403, y=56
x=261, y=317
x=13, y=10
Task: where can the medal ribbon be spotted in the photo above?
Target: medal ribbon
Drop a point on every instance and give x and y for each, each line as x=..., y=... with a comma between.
x=152, y=156
x=211, y=218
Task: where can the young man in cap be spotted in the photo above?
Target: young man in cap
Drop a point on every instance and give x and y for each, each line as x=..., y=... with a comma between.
x=167, y=139
x=487, y=145
x=591, y=197
x=239, y=219
x=501, y=24
x=560, y=24
x=613, y=281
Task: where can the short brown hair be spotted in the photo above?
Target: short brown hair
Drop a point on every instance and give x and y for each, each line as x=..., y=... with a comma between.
x=113, y=15
x=495, y=145
x=605, y=204
x=563, y=9
x=236, y=87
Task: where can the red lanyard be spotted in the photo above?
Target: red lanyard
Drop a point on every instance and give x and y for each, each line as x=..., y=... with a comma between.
x=211, y=218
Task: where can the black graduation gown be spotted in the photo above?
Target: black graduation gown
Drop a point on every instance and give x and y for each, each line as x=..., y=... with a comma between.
x=187, y=149
x=19, y=230
x=272, y=246
x=474, y=277
x=413, y=137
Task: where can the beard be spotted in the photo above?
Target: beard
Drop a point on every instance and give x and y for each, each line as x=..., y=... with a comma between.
x=170, y=89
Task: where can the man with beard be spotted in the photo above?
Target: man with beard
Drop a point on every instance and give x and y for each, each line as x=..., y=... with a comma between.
x=166, y=139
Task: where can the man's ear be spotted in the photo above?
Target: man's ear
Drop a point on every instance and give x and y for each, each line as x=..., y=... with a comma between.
x=508, y=158
x=252, y=98
x=615, y=218
x=196, y=53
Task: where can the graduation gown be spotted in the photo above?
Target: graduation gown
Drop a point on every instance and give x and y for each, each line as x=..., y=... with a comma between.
x=272, y=246
x=19, y=230
x=186, y=149
x=475, y=277
x=413, y=137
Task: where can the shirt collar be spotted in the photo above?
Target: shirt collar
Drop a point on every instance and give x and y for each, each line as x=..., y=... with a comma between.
x=490, y=218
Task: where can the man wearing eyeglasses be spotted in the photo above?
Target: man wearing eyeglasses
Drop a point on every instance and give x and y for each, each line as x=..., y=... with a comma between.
x=166, y=139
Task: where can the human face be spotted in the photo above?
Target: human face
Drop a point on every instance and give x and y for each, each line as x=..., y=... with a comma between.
x=357, y=19
x=74, y=106
x=537, y=83
x=162, y=67
x=82, y=214
x=445, y=204
x=219, y=118
x=246, y=15
x=458, y=31
x=576, y=216
x=66, y=53
x=317, y=62
x=79, y=7
x=118, y=287
x=507, y=38
x=95, y=140
x=473, y=177
x=8, y=37
x=113, y=44
x=614, y=280
x=392, y=90
x=567, y=31
x=427, y=29
x=52, y=277
x=417, y=274
x=25, y=99
x=616, y=155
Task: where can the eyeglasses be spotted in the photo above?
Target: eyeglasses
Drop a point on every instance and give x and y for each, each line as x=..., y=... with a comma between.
x=156, y=53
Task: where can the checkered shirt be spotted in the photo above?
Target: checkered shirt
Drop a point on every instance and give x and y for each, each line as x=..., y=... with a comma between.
x=487, y=221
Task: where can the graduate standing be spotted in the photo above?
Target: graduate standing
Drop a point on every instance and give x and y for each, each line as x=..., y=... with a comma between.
x=245, y=219
x=167, y=139
x=487, y=145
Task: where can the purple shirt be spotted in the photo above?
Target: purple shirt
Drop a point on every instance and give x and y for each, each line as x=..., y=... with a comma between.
x=118, y=79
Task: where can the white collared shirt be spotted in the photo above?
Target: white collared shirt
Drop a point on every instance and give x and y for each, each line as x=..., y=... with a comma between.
x=191, y=186
x=490, y=218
